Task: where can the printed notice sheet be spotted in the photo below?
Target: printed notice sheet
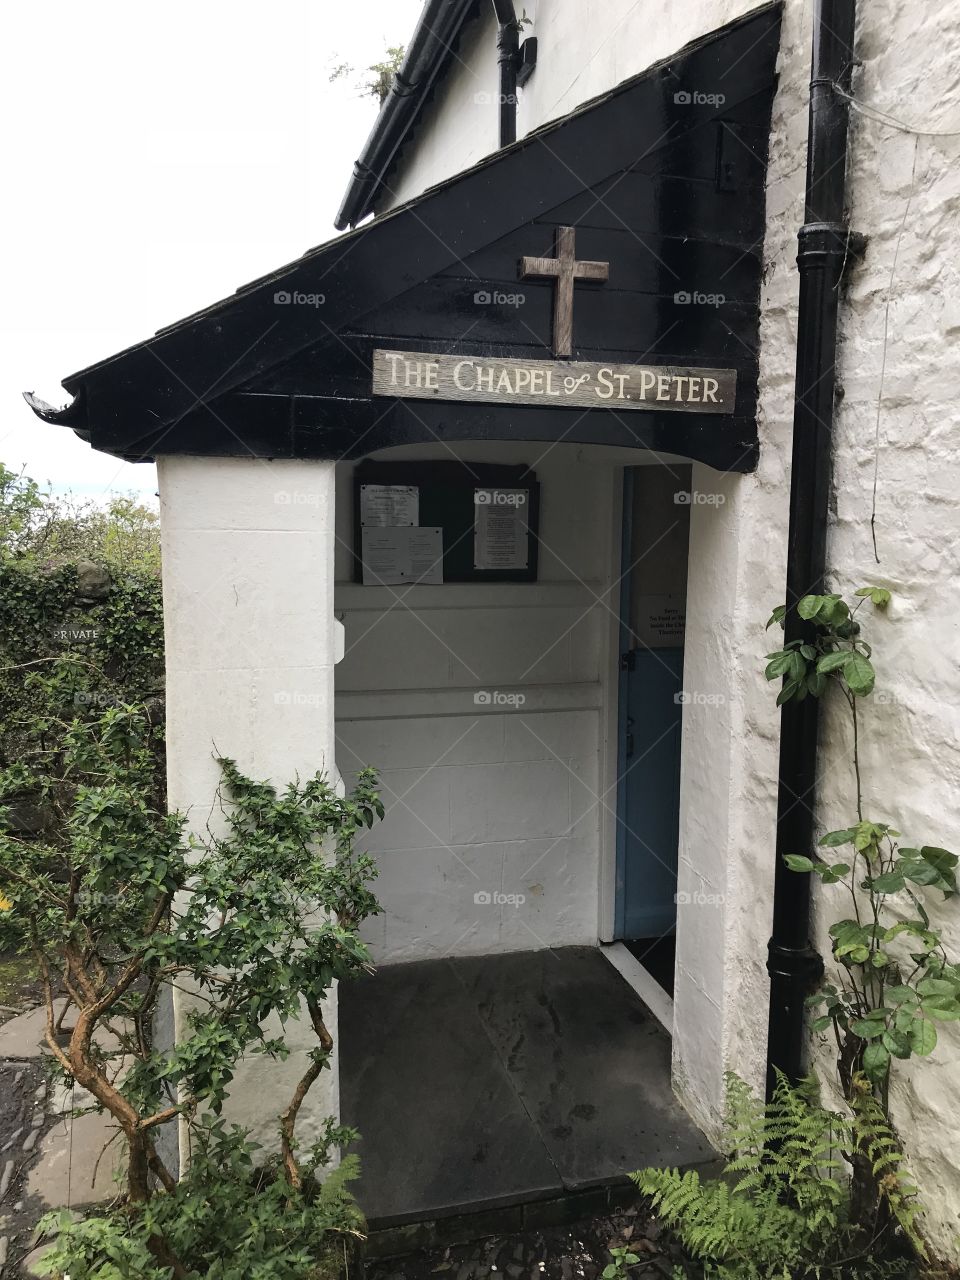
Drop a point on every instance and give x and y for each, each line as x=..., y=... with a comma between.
x=658, y=621
x=500, y=528
x=398, y=556
x=387, y=505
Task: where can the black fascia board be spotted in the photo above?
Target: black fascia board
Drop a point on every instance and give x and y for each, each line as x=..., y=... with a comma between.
x=146, y=390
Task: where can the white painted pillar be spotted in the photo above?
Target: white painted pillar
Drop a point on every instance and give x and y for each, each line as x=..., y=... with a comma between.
x=728, y=788
x=251, y=643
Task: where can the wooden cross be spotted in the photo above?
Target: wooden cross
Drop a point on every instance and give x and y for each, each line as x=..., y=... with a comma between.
x=565, y=269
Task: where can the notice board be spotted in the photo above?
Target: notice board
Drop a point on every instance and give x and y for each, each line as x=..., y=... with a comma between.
x=445, y=521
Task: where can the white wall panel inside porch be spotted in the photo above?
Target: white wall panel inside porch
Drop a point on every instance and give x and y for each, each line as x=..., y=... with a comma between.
x=483, y=799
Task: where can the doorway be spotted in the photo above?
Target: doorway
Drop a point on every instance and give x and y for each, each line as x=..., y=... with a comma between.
x=656, y=530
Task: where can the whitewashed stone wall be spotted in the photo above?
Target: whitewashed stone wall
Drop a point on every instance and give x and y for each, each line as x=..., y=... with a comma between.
x=905, y=195
x=901, y=349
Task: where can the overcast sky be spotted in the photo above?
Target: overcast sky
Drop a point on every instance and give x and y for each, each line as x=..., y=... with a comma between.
x=156, y=157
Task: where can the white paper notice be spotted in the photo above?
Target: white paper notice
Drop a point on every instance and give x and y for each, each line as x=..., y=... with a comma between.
x=658, y=622
x=398, y=556
x=425, y=551
x=388, y=505
x=500, y=528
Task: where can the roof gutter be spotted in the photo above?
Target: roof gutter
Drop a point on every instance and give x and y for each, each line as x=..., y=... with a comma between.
x=437, y=29
x=825, y=244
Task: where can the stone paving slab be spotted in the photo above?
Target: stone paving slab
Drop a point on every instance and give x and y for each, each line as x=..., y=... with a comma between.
x=64, y=1172
x=420, y=1081
x=47, y=1155
x=494, y=1080
x=588, y=1062
x=24, y=1037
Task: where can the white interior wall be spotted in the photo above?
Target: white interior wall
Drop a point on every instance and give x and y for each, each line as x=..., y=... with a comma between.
x=496, y=799
x=516, y=800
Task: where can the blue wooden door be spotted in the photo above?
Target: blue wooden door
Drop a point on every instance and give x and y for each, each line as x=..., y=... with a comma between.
x=648, y=790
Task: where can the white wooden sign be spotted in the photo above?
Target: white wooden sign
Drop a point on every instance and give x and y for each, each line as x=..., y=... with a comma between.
x=421, y=375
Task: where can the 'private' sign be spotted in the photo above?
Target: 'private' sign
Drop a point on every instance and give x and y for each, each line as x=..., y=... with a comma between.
x=421, y=375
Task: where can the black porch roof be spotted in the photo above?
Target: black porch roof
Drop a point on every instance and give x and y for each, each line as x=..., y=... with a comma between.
x=663, y=176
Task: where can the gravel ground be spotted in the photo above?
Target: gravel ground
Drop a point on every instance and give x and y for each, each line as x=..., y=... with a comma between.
x=558, y=1254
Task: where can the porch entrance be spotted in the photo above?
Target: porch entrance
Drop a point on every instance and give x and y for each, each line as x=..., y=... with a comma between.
x=486, y=1081
x=656, y=527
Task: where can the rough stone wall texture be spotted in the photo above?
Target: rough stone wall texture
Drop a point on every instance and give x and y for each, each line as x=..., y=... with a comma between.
x=897, y=426
x=900, y=323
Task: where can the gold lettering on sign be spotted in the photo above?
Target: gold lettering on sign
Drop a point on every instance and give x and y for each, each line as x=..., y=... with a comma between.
x=424, y=375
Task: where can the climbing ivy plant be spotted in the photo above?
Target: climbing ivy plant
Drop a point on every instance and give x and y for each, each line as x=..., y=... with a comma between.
x=894, y=980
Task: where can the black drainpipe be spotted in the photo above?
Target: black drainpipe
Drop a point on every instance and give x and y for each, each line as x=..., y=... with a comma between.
x=508, y=56
x=825, y=243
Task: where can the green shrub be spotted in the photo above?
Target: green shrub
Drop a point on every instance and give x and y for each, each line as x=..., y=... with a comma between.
x=227, y=1220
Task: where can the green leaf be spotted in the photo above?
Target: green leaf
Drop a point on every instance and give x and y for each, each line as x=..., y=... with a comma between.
x=816, y=683
x=832, y=661
x=889, y=882
x=933, y=1010
x=900, y=995
x=867, y=1029
x=920, y=872
x=797, y=862
x=899, y=1044
x=866, y=834
x=844, y=930
x=809, y=607
x=879, y=596
x=834, y=873
x=876, y=1061
x=859, y=674
x=942, y=859
x=778, y=615
x=778, y=665
x=834, y=838
x=923, y=1037
x=937, y=987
